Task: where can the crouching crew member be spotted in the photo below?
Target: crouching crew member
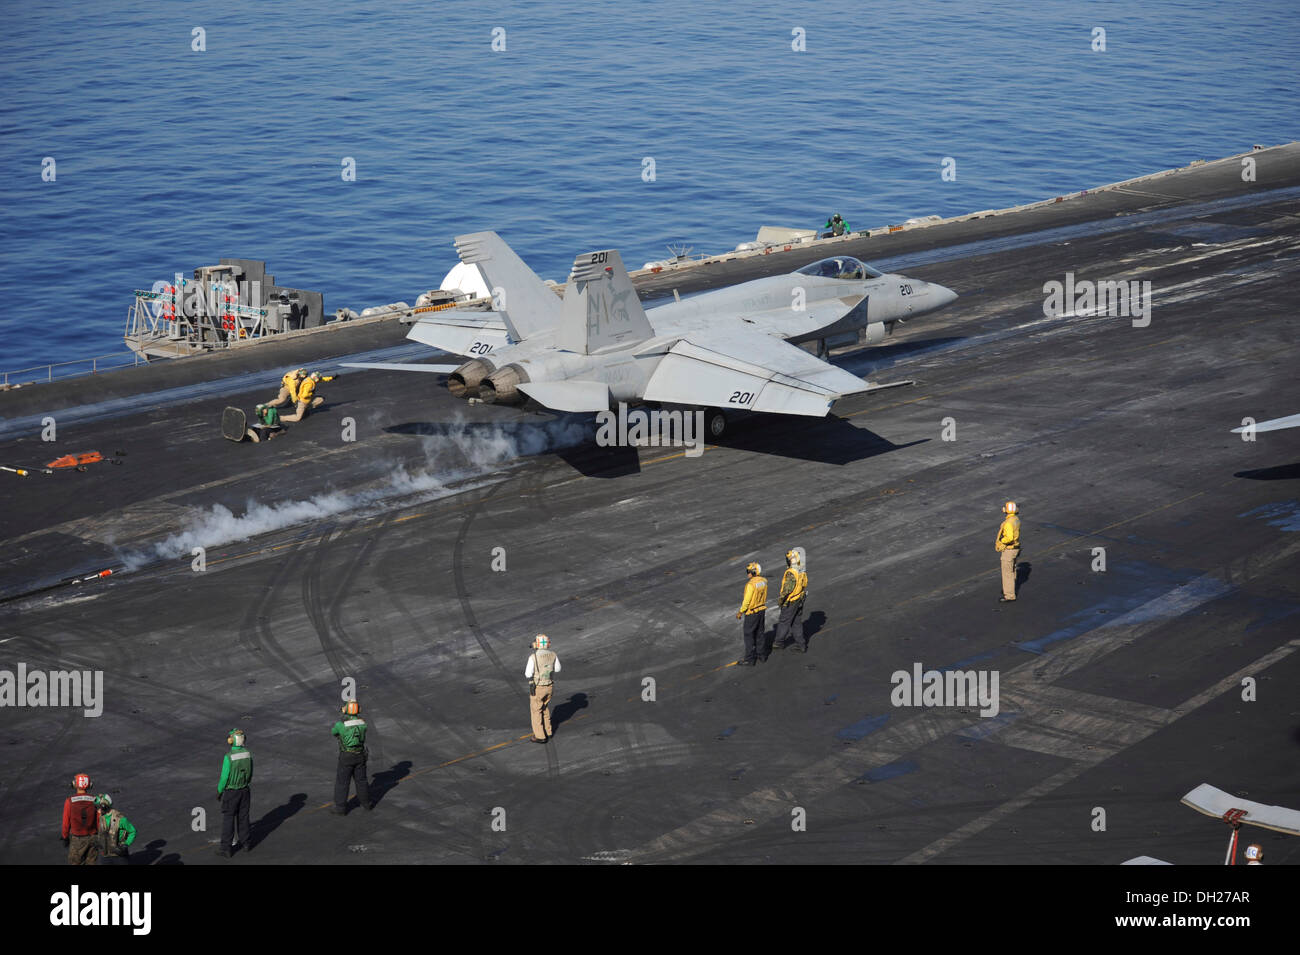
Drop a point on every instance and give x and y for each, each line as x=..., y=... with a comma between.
x=289, y=388
x=307, y=397
x=115, y=833
x=541, y=665
x=80, y=823
x=752, y=610
x=351, y=733
x=1008, y=545
x=794, y=588
x=266, y=423
x=235, y=791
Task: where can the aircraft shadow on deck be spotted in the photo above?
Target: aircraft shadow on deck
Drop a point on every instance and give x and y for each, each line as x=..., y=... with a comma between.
x=1279, y=472
x=829, y=440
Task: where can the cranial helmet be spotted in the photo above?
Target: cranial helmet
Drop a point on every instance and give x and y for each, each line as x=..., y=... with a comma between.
x=754, y=568
x=1009, y=507
x=542, y=641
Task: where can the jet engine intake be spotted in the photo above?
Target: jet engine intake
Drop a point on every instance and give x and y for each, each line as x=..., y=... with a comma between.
x=875, y=333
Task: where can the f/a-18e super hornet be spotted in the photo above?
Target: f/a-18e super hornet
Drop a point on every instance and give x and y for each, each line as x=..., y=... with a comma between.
x=734, y=348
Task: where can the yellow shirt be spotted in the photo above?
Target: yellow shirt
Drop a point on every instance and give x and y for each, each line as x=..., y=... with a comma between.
x=306, y=389
x=290, y=382
x=797, y=581
x=755, y=595
x=1009, y=534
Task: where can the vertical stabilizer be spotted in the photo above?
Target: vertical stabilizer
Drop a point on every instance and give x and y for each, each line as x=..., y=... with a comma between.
x=526, y=303
x=600, y=306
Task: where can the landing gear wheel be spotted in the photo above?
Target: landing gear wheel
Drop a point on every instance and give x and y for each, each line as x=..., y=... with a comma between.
x=715, y=424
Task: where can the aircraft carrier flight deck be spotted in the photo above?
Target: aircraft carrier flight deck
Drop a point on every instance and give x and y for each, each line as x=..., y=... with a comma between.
x=373, y=559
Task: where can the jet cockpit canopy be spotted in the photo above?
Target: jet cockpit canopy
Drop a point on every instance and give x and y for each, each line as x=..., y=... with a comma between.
x=841, y=267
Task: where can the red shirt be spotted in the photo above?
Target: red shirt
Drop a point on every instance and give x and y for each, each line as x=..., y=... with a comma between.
x=79, y=816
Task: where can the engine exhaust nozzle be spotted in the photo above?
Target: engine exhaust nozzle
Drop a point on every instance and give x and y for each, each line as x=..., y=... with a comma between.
x=464, y=382
x=502, y=387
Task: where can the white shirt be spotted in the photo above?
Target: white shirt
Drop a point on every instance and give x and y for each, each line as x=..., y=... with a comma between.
x=528, y=670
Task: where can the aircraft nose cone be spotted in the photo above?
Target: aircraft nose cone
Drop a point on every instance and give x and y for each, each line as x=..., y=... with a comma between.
x=941, y=295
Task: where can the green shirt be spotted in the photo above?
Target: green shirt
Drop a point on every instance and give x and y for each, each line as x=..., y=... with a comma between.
x=125, y=831
x=270, y=417
x=351, y=733
x=236, y=769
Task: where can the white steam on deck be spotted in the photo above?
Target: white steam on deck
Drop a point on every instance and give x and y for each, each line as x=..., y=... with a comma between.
x=455, y=454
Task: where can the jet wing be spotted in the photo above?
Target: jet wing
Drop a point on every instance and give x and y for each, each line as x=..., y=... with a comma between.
x=1277, y=424
x=785, y=322
x=399, y=366
x=748, y=370
x=468, y=335
x=1215, y=802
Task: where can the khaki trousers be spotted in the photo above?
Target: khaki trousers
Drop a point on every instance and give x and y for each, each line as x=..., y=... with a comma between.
x=1009, y=572
x=282, y=399
x=540, y=705
x=83, y=850
x=302, y=409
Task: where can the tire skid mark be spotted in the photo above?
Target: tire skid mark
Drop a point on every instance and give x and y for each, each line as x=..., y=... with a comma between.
x=255, y=632
x=392, y=681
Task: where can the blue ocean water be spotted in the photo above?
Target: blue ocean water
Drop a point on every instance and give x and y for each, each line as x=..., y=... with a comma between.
x=167, y=158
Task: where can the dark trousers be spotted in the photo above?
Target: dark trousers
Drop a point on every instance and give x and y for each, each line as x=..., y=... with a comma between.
x=754, y=627
x=352, y=766
x=235, y=804
x=791, y=619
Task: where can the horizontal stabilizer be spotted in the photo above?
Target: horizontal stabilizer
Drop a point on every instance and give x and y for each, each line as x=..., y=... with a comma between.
x=397, y=366
x=474, y=337
x=751, y=371
x=525, y=303
x=1277, y=424
x=1215, y=802
x=570, y=395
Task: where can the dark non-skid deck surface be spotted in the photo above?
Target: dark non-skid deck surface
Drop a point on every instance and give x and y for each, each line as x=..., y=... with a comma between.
x=1120, y=690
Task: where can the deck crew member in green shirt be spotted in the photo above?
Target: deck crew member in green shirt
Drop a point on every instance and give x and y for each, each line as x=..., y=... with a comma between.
x=234, y=792
x=351, y=733
x=115, y=833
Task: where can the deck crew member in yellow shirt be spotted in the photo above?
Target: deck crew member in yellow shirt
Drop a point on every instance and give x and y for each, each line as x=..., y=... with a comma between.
x=1008, y=545
x=751, y=610
x=794, y=588
x=289, y=388
x=307, y=397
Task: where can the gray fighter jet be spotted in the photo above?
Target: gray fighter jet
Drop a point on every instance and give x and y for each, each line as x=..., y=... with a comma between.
x=735, y=348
